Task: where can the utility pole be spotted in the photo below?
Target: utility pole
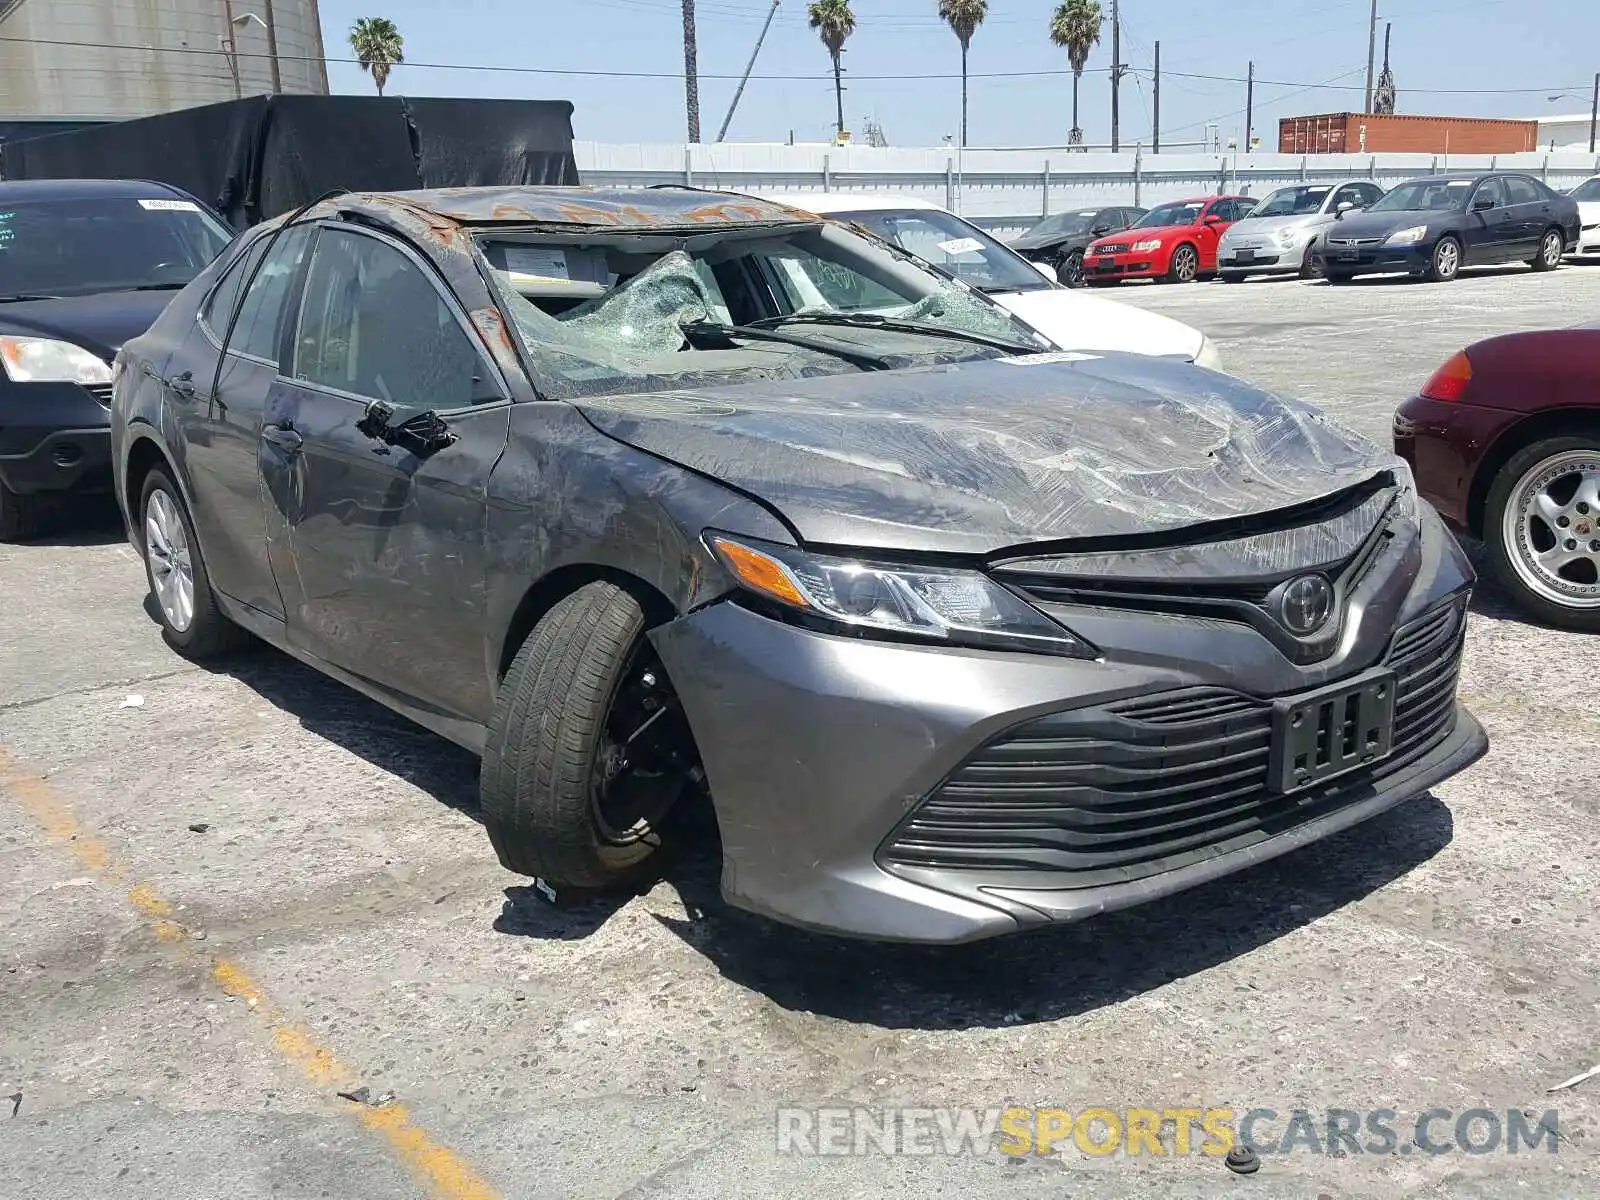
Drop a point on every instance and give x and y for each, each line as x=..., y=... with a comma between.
x=750, y=66
x=1249, y=105
x=229, y=33
x=691, y=70
x=1372, y=51
x=272, y=49
x=1155, y=107
x=1594, y=111
x=1116, y=74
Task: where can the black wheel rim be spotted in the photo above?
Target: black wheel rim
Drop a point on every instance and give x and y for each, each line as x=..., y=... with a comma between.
x=1070, y=269
x=644, y=758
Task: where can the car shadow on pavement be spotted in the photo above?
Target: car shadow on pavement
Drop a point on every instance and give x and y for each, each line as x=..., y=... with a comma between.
x=90, y=521
x=1051, y=973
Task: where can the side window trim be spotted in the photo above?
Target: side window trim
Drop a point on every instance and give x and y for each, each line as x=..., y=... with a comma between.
x=248, y=247
x=430, y=273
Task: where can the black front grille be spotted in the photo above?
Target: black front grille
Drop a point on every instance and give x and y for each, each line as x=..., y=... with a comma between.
x=100, y=391
x=1118, y=792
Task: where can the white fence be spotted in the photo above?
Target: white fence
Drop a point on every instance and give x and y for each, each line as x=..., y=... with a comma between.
x=1008, y=190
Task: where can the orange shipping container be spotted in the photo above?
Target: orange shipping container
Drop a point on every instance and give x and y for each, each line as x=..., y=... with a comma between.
x=1370, y=133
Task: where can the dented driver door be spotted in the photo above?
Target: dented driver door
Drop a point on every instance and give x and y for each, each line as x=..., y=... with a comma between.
x=382, y=567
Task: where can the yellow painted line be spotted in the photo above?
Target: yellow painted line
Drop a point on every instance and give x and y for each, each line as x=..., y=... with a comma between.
x=444, y=1173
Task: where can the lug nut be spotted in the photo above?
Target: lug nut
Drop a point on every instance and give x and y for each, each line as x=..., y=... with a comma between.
x=1571, y=543
x=1563, y=521
x=1583, y=508
x=649, y=679
x=1594, y=546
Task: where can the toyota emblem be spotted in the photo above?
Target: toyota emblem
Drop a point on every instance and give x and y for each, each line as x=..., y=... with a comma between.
x=1305, y=604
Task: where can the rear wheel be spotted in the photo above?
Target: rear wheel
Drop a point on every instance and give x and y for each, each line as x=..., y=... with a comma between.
x=589, y=750
x=1185, y=265
x=191, y=622
x=21, y=517
x=1550, y=249
x=1069, y=268
x=1542, y=530
x=1445, y=264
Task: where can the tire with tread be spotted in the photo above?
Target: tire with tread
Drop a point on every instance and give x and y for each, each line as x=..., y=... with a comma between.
x=1187, y=254
x=1443, y=265
x=1499, y=554
x=210, y=634
x=1232, y=276
x=540, y=755
x=1548, y=259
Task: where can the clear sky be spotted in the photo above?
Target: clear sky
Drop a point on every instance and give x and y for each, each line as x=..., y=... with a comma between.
x=1537, y=46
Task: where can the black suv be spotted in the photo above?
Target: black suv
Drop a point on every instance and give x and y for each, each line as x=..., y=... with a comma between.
x=84, y=266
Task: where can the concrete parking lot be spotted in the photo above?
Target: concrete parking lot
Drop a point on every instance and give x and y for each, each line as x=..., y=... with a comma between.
x=228, y=896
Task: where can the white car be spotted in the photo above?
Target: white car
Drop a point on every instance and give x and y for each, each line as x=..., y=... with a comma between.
x=1587, y=194
x=1279, y=232
x=1068, y=318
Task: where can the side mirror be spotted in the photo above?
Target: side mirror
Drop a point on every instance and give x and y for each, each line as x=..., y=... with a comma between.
x=1345, y=206
x=1048, y=271
x=1482, y=203
x=1213, y=219
x=1100, y=229
x=422, y=433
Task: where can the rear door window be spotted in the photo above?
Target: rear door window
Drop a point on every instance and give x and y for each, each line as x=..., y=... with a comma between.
x=1521, y=191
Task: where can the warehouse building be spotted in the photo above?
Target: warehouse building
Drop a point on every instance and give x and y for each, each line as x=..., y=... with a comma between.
x=102, y=60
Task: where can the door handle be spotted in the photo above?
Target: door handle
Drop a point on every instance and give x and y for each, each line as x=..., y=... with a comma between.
x=283, y=437
x=182, y=385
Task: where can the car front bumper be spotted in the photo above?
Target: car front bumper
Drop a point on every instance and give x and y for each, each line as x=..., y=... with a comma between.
x=1144, y=264
x=1265, y=259
x=1588, y=240
x=1374, y=260
x=853, y=779
x=54, y=437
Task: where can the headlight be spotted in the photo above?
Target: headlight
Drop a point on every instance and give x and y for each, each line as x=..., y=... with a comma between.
x=1152, y=244
x=936, y=604
x=40, y=360
x=1208, y=356
x=1288, y=237
x=1406, y=237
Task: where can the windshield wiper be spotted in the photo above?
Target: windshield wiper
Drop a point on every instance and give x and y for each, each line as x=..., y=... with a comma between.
x=894, y=325
x=21, y=296
x=153, y=287
x=713, y=335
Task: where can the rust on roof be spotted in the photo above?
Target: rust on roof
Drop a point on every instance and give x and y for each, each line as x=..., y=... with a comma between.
x=611, y=208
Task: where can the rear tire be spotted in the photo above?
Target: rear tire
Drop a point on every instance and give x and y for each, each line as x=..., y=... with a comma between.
x=1551, y=247
x=21, y=517
x=175, y=568
x=554, y=767
x=1445, y=264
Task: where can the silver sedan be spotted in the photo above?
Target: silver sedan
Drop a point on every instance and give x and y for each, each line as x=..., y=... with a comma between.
x=1279, y=235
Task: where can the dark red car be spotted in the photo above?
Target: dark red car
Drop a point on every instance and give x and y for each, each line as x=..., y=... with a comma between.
x=1505, y=441
x=1176, y=242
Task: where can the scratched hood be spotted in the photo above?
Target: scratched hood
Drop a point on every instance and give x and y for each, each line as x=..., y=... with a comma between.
x=977, y=457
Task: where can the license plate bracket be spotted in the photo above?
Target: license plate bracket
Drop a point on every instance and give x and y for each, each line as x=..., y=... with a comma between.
x=1245, y=256
x=1320, y=735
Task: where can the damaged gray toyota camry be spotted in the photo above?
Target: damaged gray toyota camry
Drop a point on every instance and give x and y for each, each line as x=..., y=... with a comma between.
x=671, y=497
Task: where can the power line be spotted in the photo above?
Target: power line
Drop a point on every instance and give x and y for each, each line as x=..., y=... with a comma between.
x=1054, y=73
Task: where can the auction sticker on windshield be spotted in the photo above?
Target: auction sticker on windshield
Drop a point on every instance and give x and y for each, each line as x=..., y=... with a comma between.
x=169, y=206
x=964, y=245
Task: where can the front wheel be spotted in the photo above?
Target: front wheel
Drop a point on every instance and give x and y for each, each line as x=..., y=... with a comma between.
x=1069, y=269
x=588, y=750
x=1542, y=530
x=1338, y=277
x=1550, y=250
x=1445, y=264
x=1232, y=276
x=1185, y=265
x=191, y=622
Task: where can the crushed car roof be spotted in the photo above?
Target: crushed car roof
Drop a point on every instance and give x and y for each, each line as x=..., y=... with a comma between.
x=621, y=208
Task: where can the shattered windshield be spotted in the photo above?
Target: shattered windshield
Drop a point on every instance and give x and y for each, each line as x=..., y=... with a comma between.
x=614, y=313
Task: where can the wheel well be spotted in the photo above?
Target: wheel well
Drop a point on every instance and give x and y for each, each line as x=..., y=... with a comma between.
x=1523, y=433
x=562, y=582
x=143, y=457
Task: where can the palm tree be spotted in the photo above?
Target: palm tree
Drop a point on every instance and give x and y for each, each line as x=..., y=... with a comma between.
x=378, y=46
x=691, y=70
x=1075, y=27
x=963, y=17
x=834, y=22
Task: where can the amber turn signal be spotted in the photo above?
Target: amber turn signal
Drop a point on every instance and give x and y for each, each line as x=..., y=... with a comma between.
x=759, y=572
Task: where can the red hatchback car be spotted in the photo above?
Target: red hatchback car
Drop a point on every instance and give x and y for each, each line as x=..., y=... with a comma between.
x=1175, y=242
x=1505, y=441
